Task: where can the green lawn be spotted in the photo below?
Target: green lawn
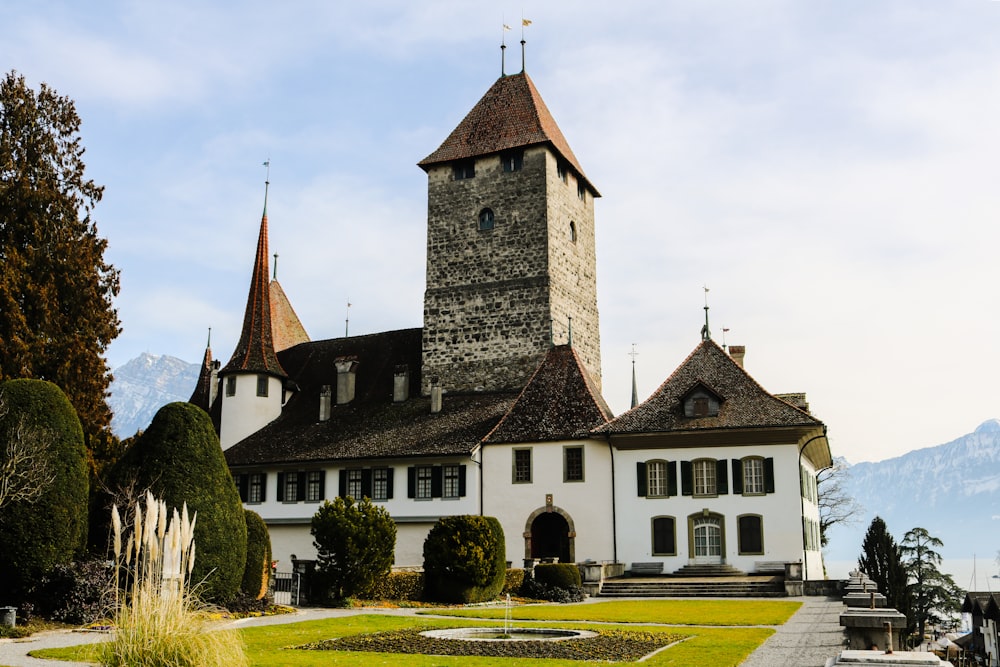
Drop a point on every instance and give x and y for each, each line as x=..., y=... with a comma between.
x=269, y=646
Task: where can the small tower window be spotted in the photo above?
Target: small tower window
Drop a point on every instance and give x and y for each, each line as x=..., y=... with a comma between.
x=231, y=385
x=562, y=170
x=581, y=191
x=262, y=385
x=512, y=160
x=464, y=169
x=486, y=219
x=572, y=231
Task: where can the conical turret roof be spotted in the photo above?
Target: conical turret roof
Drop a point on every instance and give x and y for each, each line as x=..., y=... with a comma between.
x=510, y=115
x=286, y=327
x=202, y=394
x=255, y=351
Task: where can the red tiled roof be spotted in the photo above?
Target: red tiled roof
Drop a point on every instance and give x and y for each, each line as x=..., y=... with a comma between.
x=560, y=402
x=510, y=115
x=745, y=403
x=255, y=351
x=286, y=328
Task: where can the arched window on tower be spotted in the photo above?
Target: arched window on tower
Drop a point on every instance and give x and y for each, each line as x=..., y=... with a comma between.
x=486, y=219
x=572, y=231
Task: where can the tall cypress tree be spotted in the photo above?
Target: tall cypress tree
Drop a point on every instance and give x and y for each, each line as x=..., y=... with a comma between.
x=56, y=290
x=881, y=559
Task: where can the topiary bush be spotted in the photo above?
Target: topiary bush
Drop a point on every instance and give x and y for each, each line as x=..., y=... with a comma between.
x=180, y=460
x=513, y=581
x=464, y=559
x=257, y=572
x=560, y=575
x=397, y=586
x=49, y=529
x=355, y=543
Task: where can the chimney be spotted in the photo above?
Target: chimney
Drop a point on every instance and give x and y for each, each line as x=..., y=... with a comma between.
x=347, y=368
x=325, y=397
x=213, y=384
x=737, y=352
x=401, y=384
x=435, y=396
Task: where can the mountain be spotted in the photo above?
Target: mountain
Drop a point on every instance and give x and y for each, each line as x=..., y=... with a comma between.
x=952, y=490
x=144, y=385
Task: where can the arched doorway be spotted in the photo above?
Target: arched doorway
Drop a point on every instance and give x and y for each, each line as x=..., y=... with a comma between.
x=549, y=533
x=707, y=539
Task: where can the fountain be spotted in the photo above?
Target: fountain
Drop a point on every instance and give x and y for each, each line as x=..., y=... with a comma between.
x=508, y=632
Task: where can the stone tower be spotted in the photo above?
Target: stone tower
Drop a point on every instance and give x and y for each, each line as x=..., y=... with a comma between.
x=511, y=263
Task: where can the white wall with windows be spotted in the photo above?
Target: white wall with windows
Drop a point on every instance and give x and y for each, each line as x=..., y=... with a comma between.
x=249, y=403
x=543, y=484
x=739, y=505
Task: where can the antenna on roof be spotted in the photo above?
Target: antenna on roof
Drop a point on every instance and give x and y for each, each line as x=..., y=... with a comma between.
x=209, y=343
x=524, y=24
x=635, y=391
x=275, y=267
x=706, y=333
x=267, y=182
x=724, y=330
x=347, y=320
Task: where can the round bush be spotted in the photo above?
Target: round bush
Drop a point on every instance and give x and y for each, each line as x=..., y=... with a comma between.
x=355, y=542
x=257, y=572
x=464, y=559
x=50, y=529
x=558, y=575
x=180, y=460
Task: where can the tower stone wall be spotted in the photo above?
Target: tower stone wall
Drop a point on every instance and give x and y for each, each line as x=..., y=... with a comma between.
x=492, y=294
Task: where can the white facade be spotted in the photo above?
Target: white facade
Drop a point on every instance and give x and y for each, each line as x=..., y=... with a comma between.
x=247, y=406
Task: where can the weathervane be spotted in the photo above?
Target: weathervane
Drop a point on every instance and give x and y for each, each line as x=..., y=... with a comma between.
x=524, y=24
x=724, y=330
x=635, y=391
x=347, y=320
x=706, y=333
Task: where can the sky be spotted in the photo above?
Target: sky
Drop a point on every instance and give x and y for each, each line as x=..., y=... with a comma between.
x=828, y=169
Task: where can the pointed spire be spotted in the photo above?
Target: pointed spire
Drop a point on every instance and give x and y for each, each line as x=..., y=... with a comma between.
x=202, y=394
x=255, y=351
x=635, y=389
x=706, y=333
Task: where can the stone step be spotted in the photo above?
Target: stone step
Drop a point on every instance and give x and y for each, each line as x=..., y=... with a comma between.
x=666, y=588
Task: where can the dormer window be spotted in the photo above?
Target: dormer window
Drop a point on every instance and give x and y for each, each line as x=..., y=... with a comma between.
x=463, y=169
x=512, y=160
x=486, y=219
x=700, y=402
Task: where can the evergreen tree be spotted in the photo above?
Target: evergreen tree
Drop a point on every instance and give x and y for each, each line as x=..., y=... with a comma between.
x=881, y=560
x=933, y=594
x=354, y=542
x=465, y=559
x=179, y=459
x=41, y=531
x=56, y=290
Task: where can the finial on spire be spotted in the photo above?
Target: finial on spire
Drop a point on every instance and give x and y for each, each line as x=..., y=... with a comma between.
x=267, y=182
x=347, y=320
x=275, y=277
x=724, y=330
x=503, y=49
x=635, y=391
x=524, y=24
x=706, y=333
x=209, y=343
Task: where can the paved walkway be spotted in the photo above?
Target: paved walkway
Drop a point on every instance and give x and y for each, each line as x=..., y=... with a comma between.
x=809, y=638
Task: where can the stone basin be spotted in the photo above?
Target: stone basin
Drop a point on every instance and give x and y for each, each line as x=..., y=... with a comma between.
x=496, y=634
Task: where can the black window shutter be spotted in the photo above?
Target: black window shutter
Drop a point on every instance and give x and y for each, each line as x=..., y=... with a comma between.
x=769, y=475
x=686, y=478
x=300, y=489
x=737, y=476
x=411, y=482
x=436, y=481
x=242, y=483
x=342, y=487
x=721, y=477
x=322, y=484
x=366, y=483
x=461, y=481
x=281, y=487
x=671, y=478
x=640, y=477
x=263, y=486
x=388, y=483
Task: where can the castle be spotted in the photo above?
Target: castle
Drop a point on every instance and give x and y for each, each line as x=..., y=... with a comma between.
x=494, y=406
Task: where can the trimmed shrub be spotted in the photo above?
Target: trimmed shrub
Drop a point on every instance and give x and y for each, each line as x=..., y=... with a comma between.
x=559, y=575
x=50, y=529
x=179, y=459
x=536, y=590
x=397, y=586
x=464, y=559
x=513, y=582
x=355, y=542
x=257, y=572
x=79, y=593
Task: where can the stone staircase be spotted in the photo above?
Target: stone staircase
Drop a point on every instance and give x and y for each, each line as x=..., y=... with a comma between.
x=696, y=581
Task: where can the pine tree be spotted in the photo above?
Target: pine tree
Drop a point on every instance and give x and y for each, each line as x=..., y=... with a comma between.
x=931, y=591
x=56, y=290
x=881, y=560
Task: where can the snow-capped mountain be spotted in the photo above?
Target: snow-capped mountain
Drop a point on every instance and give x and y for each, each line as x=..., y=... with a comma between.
x=952, y=490
x=144, y=385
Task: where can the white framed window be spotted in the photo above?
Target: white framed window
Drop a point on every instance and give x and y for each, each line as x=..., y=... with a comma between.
x=704, y=477
x=425, y=477
x=354, y=477
x=291, y=487
x=450, y=487
x=255, y=487
x=753, y=476
x=573, y=464
x=380, y=484
x=656, y=478
x=522, y=466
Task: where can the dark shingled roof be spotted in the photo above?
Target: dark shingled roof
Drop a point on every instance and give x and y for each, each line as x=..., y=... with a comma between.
x=286, y=327
x=255, y=351
x=203, y=389
x=560, y=402
x=371, y=426
x=510, y=115
x=745, y=404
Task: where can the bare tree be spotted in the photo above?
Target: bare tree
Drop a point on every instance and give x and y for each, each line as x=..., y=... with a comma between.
x=836, y=505
x=25, y=460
